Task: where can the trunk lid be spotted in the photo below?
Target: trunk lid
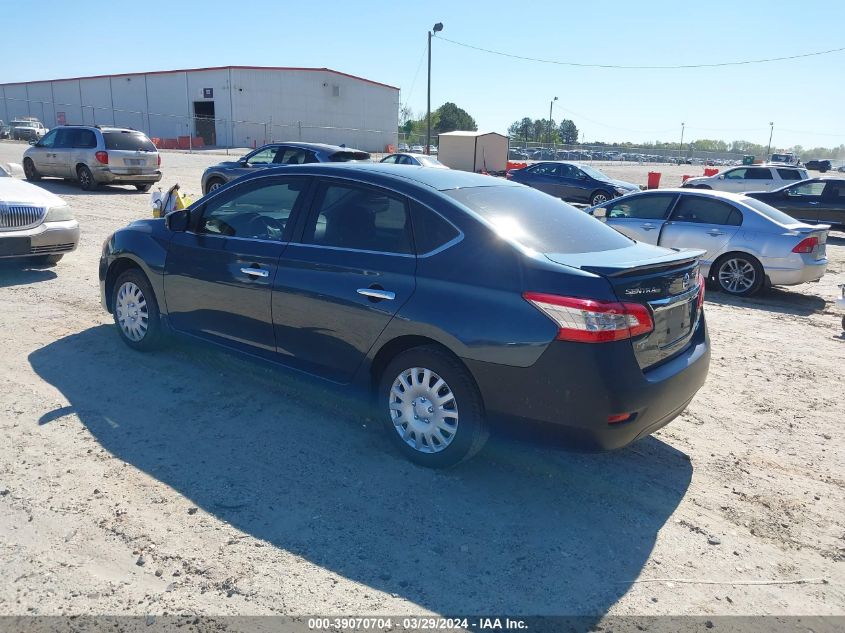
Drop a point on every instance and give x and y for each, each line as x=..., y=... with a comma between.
x=665, y=280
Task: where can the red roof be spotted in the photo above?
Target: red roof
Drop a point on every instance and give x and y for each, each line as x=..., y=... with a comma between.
x=191, y=70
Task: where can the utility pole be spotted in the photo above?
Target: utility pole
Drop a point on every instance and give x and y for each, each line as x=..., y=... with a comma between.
x=437, y=27
x=681, y=144
x=550, y=119
x=771, y=131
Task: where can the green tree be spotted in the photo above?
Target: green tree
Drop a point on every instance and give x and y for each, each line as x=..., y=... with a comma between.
x=451, y=117
x=521, y=130
x=568, y=132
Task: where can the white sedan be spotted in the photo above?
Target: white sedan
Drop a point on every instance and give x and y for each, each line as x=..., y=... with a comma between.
x=34, y=223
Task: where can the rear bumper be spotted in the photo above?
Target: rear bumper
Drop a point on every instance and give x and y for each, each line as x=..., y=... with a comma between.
x=800, y=275
x=576, y=386
x=104, y=175
x=46, y=239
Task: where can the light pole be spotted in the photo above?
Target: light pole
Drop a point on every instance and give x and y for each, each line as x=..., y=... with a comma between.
x=550, y=119
x=681, y=144
x=437, y=27
x=771, y=131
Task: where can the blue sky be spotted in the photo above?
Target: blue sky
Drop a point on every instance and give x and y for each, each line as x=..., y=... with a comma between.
x=385, y=41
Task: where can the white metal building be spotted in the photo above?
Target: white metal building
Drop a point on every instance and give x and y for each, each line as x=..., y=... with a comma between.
x=237, y=106
x=473, y=151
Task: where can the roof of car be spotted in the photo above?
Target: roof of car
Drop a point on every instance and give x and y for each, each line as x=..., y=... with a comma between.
x=316, y=146
x=439, y=179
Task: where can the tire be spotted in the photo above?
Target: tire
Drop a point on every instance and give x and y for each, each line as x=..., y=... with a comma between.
x=600, y=197
x=822, y=169
x=29, y=170
x=454, y=437
x=738, y=274
x=85, y=178
x=143, y=188
x=136, y=313
x=704, y=187
x=214, y=183
x=47, y=260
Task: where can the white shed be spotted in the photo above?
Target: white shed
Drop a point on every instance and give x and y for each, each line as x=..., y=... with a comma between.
x=473, y=151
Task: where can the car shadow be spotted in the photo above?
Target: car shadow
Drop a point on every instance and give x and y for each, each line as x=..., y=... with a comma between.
x=301, y=466
x=71, y=188
x=22, y=272
x=776, y=300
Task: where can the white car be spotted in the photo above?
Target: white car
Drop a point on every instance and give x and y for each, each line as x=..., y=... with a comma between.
x=34, y=223
x=749, y=178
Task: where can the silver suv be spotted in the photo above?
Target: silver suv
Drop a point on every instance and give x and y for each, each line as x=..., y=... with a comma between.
x=93, y=156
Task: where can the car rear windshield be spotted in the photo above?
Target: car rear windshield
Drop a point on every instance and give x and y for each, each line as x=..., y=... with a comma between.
x=770, y=212
x=538, y=221
x=131, y=141
x=344, y=157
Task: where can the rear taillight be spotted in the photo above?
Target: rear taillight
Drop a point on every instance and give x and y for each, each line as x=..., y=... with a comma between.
x=807, y=245
x=158, y=160
x=102, y=157
x=700, y=290
x=591, y=321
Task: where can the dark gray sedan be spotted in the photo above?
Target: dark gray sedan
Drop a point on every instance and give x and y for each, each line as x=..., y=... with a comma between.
x=275, y=154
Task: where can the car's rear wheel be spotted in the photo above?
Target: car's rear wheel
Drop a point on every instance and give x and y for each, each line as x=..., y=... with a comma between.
x=703, y=187
x=136, y=312
x=738, y=274
x=29, y=170
x=214, y=183
x=143, y=188
x=600, y=197
x=432, y=409
x=85, y=178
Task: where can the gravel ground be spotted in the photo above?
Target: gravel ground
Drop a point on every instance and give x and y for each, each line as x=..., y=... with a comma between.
x=190, y=481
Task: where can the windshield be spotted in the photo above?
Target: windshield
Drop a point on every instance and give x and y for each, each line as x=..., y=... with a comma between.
x=131, y=141
x=770, y=212
x=22, y=124
x=537, y=221
x=594, y=173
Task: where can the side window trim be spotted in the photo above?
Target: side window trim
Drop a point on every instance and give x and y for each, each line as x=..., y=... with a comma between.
x=315, y=195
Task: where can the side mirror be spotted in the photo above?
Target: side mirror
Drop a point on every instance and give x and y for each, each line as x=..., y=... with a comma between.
x=600, y=213
x=177, y=221
x=721, y=176
x=33, y=142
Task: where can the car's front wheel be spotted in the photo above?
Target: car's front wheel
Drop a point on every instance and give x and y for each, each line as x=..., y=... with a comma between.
x=214, y=183
x=739, y=275
x=432, y=409
x=29, y=170
x=47, y=260
x=600, y=197
x=135, y=311
x=143, y=188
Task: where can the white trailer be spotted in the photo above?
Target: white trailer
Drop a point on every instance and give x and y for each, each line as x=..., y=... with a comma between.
x=473, y=151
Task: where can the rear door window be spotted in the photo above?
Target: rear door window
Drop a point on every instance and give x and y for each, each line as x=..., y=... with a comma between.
x=758, y=173
x=701, y=210
x=128, y=141
x=546, y=169
x=789, y=174
x=85, y=139
x=835, y=192
x=359, y=218
x=644, y=207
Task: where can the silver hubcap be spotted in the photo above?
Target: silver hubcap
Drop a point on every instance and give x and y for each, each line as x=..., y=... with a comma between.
x=214, y=185
x=737, y=275
x=599, y=198
x=83, y=177
x=423, y=410
x=131, y=311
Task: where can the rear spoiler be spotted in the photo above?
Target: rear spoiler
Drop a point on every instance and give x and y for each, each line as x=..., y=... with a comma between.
x=688, y=257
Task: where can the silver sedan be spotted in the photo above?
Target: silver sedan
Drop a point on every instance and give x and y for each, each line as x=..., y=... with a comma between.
x=748, y=243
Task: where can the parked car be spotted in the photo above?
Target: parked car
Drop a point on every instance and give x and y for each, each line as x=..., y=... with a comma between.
x=816, y=164
x=814, y=200
x=517, y=154
x=749, y=178
x=403, y=147
x=343, y=272
x=748, y=243
x=786, y=158
x=420, y=160
x=34, y=223
x=573, y=182
x=432, y=150
x=275, y=154
x=4, y=130
x=26, y=129
x=417, y=149
x=94, y=156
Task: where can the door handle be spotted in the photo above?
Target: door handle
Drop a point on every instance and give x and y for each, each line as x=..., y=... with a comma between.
x=648, y=227
x=377, y=293
x=255, y=272
x=813, y=202
x=714, y=232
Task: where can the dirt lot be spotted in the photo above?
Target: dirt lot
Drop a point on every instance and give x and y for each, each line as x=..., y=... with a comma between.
x=189, y=481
